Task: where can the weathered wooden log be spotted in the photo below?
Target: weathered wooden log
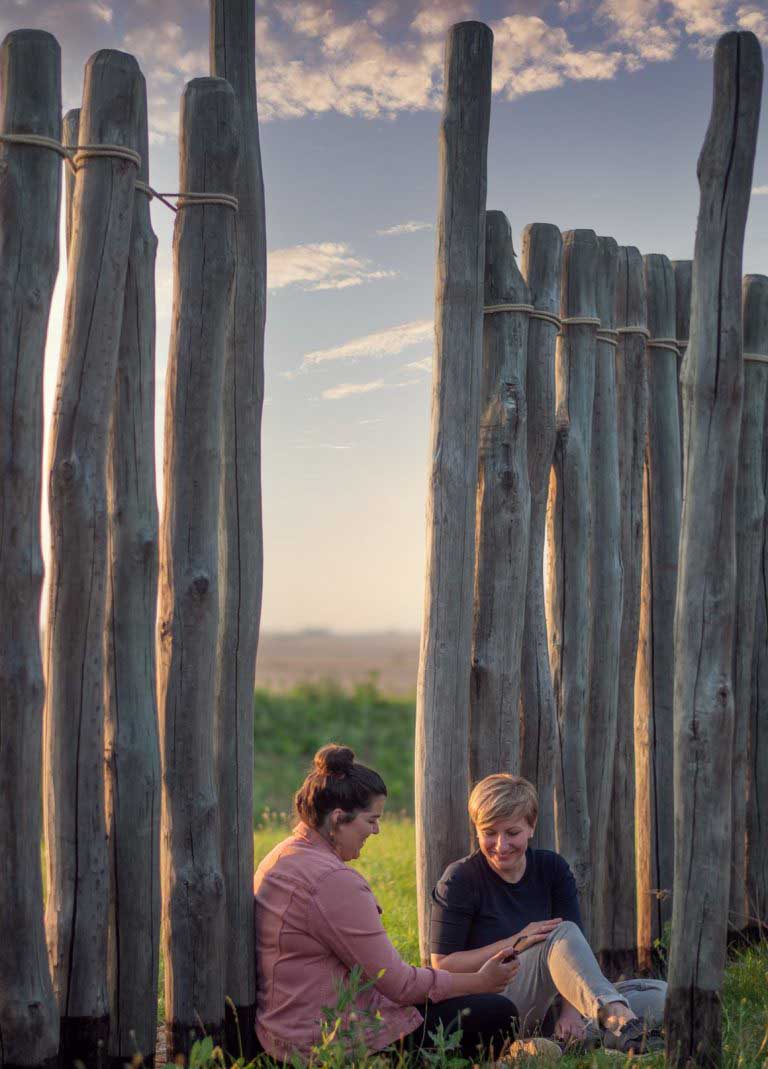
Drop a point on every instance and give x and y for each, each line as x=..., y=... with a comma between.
x=683, y=280
x=662, y=490
x=132, y=744
x=616, y=938
x=756, y=336
x=750, y=519
x=706, y=595
x=503, y=513
x=568, y=531
x=78, y=872
x=606, y=581
x=188, y=612
x=30, y=191
x=542, y=258
x=442, y=695
x=70, y=127
x=233, y=41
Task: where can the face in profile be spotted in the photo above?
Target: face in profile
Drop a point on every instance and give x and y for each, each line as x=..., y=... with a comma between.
x=503, y=843
x=350, y=835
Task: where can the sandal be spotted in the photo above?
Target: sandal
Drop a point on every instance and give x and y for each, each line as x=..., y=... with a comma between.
x=637, y=1036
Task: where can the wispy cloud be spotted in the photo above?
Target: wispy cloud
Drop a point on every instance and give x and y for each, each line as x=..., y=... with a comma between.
x=760, y=190
x=754, y=18
x=383, y=343
x=322, y=266
x=404, y=228
x=349, y=389
x=419, y=365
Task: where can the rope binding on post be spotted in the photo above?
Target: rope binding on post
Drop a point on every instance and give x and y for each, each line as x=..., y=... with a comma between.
x=756, y=358
x=77, y=155
x=634, y=330
x=610, y=337
x=663, y=343
x=489, y=309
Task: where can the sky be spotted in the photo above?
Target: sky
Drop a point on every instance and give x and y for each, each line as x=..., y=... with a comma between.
x=599, y=111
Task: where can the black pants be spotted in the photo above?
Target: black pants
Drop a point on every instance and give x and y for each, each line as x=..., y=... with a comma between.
x=485, y=1021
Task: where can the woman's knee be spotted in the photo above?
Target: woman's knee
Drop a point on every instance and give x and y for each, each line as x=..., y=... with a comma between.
x=566, y=930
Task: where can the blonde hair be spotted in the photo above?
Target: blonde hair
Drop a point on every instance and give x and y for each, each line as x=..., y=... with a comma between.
x=501, y=797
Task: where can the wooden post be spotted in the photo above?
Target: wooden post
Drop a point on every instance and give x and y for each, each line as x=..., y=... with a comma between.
x=70, y=135
x=30, y=191
x=706, y=596
x=750, y=517
x=683, y=280
x=442, y=695
x=755, y=318
x=503, y=513
x=188, y=613
x=615, y=940
x=233, y=45
x=542, y=267
x=606, y=579
x=132, y=745
x=662, y=489
x=568, y=529
x=78, y=874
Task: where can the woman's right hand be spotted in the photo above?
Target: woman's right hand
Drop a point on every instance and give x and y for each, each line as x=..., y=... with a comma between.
x=496, y=974
x=536, y=932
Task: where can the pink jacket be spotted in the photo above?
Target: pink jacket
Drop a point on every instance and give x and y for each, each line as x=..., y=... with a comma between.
x=315, y=918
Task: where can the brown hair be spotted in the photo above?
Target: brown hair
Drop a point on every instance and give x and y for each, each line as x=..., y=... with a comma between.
x=502, y=796
x=336, y=781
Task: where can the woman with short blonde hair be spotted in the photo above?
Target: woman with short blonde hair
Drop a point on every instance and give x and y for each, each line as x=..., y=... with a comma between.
x=508, y=890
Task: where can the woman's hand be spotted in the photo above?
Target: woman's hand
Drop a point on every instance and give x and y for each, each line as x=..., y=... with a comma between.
x=533, y=933
x=495, y=974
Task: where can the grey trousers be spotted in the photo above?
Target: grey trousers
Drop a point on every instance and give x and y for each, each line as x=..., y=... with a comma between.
x=564, y=963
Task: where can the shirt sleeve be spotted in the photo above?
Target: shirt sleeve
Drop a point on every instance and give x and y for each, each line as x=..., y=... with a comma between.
x=348, y=923
x=454, y=906
x=565, y=898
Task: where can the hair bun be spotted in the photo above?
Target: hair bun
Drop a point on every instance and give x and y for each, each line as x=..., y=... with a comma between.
x=333, y=759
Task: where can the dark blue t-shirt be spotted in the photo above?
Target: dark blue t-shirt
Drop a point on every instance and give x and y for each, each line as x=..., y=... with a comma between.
x=472, y=906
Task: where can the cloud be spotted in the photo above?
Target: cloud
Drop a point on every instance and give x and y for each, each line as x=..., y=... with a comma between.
x=419, y=365
x=404, y=228
x=349, y=389
x=383, y=343
x=753, y=18
x=321, y=266
x=760, y=191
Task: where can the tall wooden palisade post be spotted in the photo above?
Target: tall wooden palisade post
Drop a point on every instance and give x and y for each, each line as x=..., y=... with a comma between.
x=616, y=937
x=569, y=531
x=706, y=592
x=78, y=873
x=188, y=610
x=606, y=580
x=30, y=192
x=542, y=259
x=755, y=315
x=662, y=489
x=233, y=45
x=132, y=744
x=442, y=696
x=683, y=279
x=750, y=516
x=503, y=512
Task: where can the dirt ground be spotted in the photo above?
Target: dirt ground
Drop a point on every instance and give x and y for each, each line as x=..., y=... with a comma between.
x=310, y=656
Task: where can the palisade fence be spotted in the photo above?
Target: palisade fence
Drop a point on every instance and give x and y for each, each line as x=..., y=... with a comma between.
x=596, y=611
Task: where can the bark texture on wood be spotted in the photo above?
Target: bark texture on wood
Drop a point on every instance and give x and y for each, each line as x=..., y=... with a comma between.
x=188, y=612
x=606, y=581
x=568, y=574
x=503, y=515
x=542, y=258
x=233, y=47
x=750, y=520
x=706, y=594
x=30, y=191
x=442, y=696
x=132, y=744
x=615, y=940
x=662, y=489
x=78, y=873
x=683, y=280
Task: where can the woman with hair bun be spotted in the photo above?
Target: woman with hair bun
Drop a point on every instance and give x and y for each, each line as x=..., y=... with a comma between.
x=316, y=918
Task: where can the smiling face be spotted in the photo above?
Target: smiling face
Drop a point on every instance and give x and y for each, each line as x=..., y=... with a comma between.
x=349, y=836
x=503, y=844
